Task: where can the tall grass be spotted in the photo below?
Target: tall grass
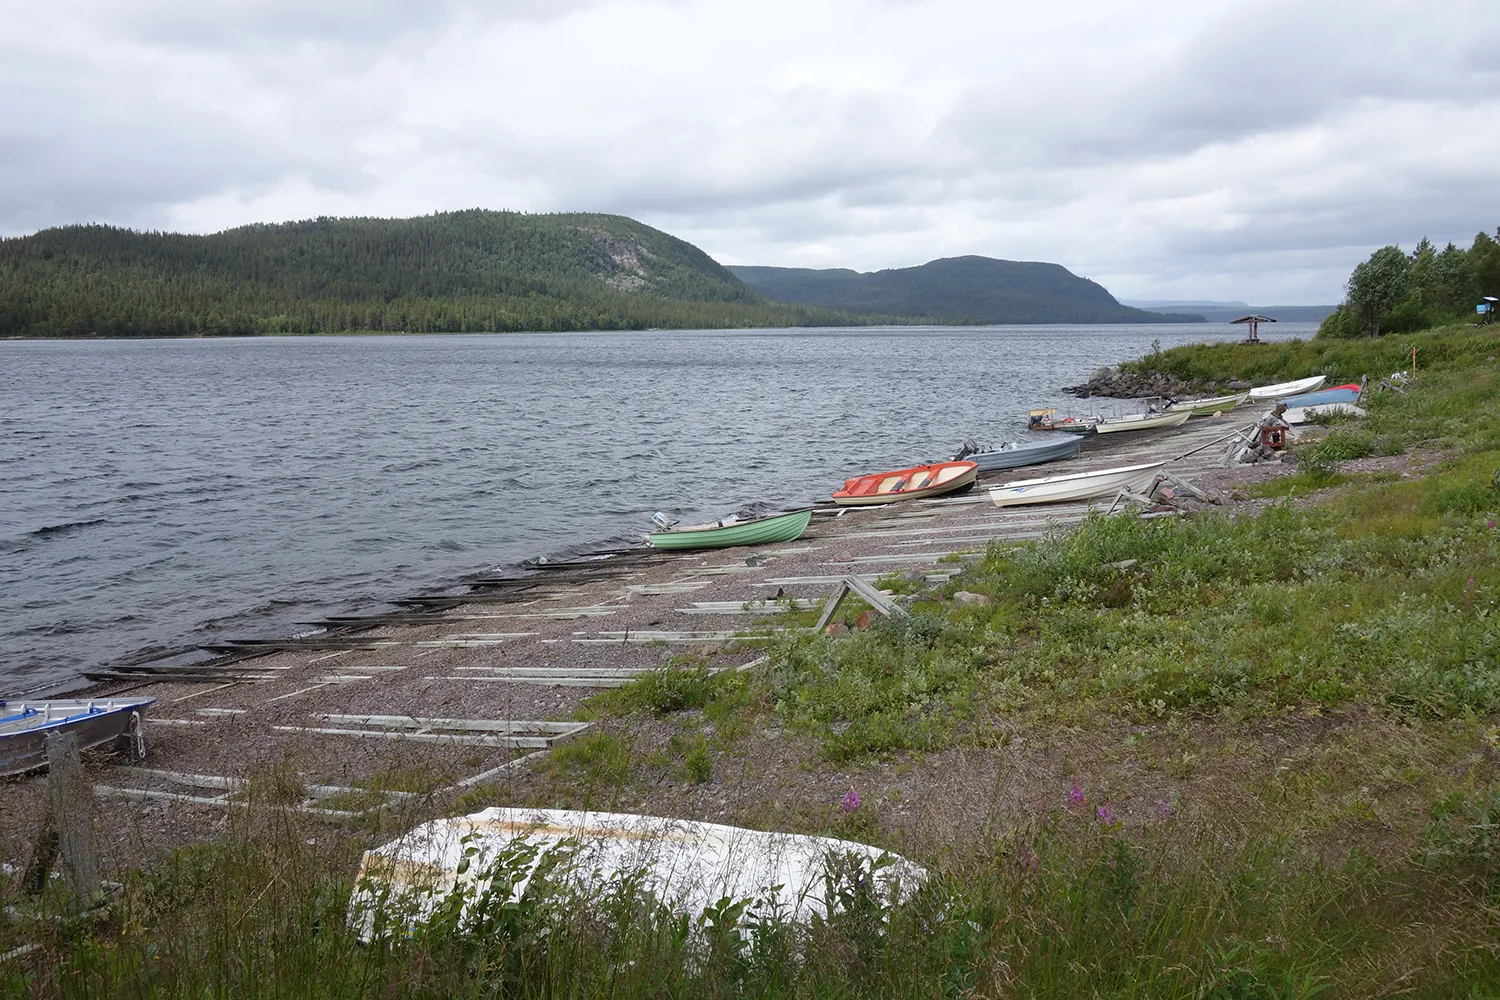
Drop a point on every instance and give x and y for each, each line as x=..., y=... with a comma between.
x=1071, y=903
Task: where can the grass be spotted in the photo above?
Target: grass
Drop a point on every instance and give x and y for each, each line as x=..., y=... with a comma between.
x=1228, y=757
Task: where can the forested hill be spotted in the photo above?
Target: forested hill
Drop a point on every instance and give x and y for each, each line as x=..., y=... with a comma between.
x=956, y=290
x=453, y=272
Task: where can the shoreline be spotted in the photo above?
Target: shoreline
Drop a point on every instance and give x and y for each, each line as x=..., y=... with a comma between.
x=534, y=648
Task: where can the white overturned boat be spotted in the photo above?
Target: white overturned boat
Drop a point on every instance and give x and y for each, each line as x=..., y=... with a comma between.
x=1141, y=422
x=1208, y=407
x=1283, y=389
x=1301, y=414
x=1078, y=486
x=685, y=865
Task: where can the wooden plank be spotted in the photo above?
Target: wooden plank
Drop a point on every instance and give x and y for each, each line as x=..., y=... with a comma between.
x=72, y=804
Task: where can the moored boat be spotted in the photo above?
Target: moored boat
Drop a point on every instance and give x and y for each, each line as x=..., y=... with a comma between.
x=1077, y=486
x=1208, y=407
x=730, y=531
x=25, y=726
x=1019, y=453
x=1281, y=390
x=906, y=484
x=1142, y=422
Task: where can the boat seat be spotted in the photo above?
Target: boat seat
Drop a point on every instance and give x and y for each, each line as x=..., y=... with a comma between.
x=917, y=484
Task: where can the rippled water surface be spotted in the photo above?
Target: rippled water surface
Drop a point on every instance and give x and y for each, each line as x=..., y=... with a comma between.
x=167, y=492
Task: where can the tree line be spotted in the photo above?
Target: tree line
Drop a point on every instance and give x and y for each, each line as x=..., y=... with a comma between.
x=456, y=272
x=1397, y=292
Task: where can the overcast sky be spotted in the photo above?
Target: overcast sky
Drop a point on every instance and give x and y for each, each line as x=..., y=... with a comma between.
x=1168, y=149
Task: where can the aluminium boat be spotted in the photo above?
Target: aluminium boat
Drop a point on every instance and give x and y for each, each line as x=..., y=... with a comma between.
x=730, y=531
x=1019, y=453
x=1077, y=486
x=25, y=726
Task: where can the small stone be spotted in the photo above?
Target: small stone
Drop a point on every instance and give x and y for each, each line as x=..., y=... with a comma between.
x=1122, y=564
x=970, y=598
x=865, y=620
x=838, y=629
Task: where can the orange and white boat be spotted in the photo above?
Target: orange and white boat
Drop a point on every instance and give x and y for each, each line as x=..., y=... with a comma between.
x=906, y=484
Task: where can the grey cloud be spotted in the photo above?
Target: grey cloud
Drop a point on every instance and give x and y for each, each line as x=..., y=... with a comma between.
x=240, y=24
x=1264, y=68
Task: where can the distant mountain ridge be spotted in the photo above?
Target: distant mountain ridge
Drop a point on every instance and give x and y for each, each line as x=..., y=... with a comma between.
x=969, y=289
x=1223, y=312
x=469, y=271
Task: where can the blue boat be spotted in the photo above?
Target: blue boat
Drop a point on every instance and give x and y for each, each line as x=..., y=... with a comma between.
x=1338, y=394
x=25, y=726
x=1018, y=453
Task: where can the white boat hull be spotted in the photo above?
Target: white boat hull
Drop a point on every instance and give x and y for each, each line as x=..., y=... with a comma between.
x=1300, y=414
x=1283, y=389
x=1142, y=422
x=687, y=865
x=1078, y=486
x=1208, y=407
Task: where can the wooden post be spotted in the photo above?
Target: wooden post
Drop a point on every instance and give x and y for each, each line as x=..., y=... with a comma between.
x=71, y=802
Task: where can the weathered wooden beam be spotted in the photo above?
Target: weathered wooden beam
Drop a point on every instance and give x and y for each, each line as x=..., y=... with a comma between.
x=866, y=592
x=71, y=801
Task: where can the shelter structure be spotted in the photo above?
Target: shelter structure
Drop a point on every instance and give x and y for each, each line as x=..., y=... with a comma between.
x=1252, y=336
x=1486, y=309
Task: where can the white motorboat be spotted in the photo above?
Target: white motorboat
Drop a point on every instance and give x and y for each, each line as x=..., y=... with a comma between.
x=1208, y=407
x=1283, y=389
x=1142, y=422
x=1077, y=486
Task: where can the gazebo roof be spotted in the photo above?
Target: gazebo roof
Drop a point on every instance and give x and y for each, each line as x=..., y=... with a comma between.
x=1253, y=319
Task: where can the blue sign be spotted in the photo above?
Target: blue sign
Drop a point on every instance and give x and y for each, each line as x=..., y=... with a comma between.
x=1483, y=307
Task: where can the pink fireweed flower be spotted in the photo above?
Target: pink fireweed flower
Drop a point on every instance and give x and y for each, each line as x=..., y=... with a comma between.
x=1075, y=796
x=1105, y=815
x=1163, y=808
x=851, y=801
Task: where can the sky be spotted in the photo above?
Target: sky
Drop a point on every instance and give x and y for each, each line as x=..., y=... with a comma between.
x=1192, y=149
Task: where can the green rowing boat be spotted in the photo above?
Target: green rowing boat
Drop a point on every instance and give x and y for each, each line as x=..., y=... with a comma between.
x=728, y=532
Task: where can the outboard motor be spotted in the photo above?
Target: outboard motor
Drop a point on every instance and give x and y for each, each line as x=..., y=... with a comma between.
x=662, y=521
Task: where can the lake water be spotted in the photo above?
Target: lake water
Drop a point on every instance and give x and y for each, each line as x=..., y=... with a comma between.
x=174, y=491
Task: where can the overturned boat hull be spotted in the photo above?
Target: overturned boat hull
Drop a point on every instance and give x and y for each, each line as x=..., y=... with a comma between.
x=1281, y=390
x=685, y=865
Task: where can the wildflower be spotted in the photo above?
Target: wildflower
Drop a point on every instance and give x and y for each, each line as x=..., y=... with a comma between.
x=851, y=801
x=1163, y=808
x=1075, y=796
x=1105, y=815
x=1490, y=523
